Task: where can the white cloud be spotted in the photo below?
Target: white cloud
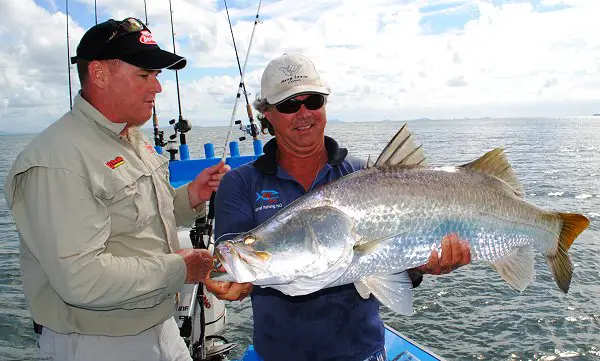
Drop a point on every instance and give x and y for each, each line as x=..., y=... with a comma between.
x=383, y=58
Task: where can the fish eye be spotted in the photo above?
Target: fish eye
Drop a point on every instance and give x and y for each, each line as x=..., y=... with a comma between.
x=249, y=240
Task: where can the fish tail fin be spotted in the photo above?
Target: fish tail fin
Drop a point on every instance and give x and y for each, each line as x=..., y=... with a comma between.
x=559, y=262
x=573, y=225
x=517, y=268
x=393, y=291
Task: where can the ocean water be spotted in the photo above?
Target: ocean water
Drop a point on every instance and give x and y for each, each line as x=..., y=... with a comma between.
x=470, y=314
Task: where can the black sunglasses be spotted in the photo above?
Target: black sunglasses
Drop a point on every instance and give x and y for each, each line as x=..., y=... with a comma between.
x=290, y=106
x=127, y=26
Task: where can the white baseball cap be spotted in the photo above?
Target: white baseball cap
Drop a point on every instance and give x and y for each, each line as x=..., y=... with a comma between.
x=289, y=75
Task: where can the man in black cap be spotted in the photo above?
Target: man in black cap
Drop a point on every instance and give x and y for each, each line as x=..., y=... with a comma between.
x=97, y=217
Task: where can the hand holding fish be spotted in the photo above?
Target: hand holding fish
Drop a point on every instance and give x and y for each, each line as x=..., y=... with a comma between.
x=207, y=182
x=455, y=253
x=230, y=291
x=198, y=264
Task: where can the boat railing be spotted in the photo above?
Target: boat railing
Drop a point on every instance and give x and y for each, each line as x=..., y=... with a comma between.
x=185, y=170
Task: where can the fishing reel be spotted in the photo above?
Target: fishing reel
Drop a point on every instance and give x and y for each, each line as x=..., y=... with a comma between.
x=159, y=138
x=180, y=126
x=171, y=147
x=159, y=135
x=248, y=129
x=216, y=349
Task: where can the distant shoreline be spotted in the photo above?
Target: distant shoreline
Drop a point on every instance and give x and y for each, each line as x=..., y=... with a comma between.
x=339, y=121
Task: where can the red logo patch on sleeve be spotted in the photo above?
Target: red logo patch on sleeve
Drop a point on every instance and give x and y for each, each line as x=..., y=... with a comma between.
x=115, y=163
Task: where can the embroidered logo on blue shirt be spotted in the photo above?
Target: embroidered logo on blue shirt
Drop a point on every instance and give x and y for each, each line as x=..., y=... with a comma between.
x=268, y=195
x=268, y=199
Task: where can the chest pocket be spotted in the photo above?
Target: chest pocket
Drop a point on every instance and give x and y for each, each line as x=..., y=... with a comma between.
x=131, y=204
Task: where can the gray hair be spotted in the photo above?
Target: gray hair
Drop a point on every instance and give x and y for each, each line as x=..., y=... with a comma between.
x=260, y=104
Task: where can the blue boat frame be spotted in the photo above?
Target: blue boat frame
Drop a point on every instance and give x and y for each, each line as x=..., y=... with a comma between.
x=184, y=171
x=397, y=345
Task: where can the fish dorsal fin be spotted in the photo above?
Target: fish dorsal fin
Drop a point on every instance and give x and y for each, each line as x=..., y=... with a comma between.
x=401, y=150
x=370, y=162
x=495, y=163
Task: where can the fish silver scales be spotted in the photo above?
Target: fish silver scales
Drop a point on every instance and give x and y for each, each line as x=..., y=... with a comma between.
x=418, y=206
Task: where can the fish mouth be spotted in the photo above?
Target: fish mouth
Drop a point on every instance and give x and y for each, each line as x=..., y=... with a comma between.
x=240, y=261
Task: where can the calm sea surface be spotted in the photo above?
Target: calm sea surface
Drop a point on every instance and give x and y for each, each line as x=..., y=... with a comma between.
x=468, y=315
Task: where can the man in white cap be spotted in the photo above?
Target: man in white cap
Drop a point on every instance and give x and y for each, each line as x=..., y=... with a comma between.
x=97, y=217
x=333, y=323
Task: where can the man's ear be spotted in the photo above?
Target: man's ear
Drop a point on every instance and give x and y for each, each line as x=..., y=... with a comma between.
x=98, y=73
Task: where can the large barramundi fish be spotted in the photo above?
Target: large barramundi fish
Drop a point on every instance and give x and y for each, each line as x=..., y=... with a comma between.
x=371, y=226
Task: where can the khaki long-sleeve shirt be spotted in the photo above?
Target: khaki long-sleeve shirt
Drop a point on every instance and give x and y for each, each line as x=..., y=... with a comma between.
x=97, y=222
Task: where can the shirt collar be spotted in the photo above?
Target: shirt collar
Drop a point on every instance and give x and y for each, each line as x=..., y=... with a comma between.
x=267, y=163
x=91, y=113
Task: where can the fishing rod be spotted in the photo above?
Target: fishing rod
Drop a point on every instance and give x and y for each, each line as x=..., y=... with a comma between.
x=253, y=128
x=95, y=13
x=159, y=141
x=211, y=210
x=146, y=13
x=241, y=86
x=198, y=350
x=69, y=56
x=181, y=125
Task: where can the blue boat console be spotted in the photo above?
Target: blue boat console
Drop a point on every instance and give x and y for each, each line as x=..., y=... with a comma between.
x=185, y=170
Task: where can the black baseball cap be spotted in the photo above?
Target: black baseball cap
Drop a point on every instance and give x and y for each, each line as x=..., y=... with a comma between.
x=128, y=40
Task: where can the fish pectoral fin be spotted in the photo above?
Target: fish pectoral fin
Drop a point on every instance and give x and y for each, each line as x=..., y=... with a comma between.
x=362, y=288
x=495, y=164
x=517, y=268
x=401, y=150
x=366, y=245
x=393, y=291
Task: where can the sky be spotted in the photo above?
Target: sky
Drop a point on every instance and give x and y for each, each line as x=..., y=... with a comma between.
x=383, y=59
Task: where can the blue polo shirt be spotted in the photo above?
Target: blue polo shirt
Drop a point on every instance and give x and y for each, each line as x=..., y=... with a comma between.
x=331, y=324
